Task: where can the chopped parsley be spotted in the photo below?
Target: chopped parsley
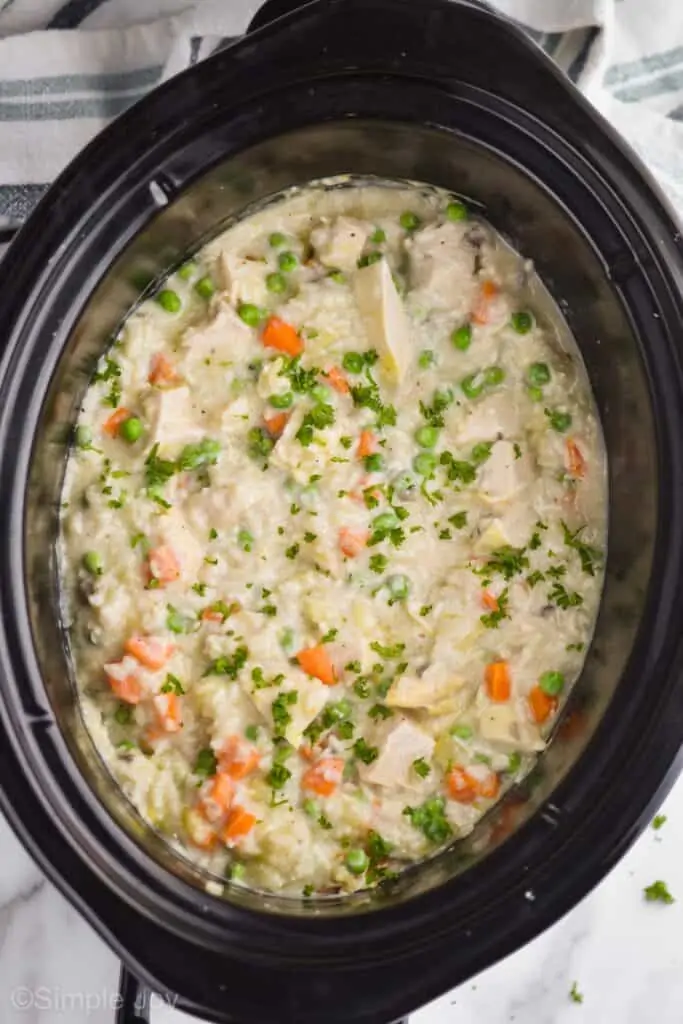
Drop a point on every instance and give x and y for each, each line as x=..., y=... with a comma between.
x=392, y=651
x=458, y=520
x=302, y=381
x=364, y=752
x=575, y=995
x=278, y=775
x=494, y=618
x=319, y=417
x=292, y=551
x=172, y=685
x=564, y=599
x=378, y=563
x=589, y=556
x=421, y=767
x=178, y=623
x=195, y=456
x=158, y=471
x=280, y=711
x=229, y=666
x=199, y=588
x=431, y=820
x=507, y=561
x=658, y=892
x=330, y=636
x=535, y=577
x=458, y=470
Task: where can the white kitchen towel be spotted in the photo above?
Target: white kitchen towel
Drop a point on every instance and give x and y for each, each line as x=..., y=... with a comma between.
x=67, y=68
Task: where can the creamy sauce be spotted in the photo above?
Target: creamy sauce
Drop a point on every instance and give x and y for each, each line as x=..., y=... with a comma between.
x=333, y=538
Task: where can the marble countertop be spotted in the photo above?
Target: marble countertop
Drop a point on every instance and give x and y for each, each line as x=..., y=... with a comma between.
x=624, y=954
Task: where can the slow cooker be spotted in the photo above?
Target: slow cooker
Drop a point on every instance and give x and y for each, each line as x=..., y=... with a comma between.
x=443, y=92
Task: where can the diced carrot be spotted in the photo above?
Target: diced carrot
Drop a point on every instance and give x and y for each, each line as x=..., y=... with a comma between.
x=367, y=444
x=324, y=776
x=169, y=711
x=576, y=464
x=489, y=787
x=127, y=689
x=238, y=758
x=487, y=292
x=212, y=615
x=163, y=564
x=282, y=336
x=150, y=651
x=541, y=705
x=498, y=682
x=111, y=425
x=219, y=795
x=306, y=752
x=239, y=824
x=162, y=371
x=490, y=601
x=352, y=542
x=315, y=661
x=338, y=380
x=276, y=424
x=462, y=786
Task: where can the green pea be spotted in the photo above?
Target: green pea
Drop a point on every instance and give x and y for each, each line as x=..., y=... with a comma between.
x=321, y=394
x=245, y=539
x=353, y=362
x=426, y=359
x=277, y=240
x=288, y=261
x=131, y=429
x=357, y=861
x=338, y=711
x=514, y=763
x=552, y=683
x=409, y=221
x=310, y=808
x=399, y=587
x=373, y=463
x=169, y=300
x=276, y=283
x=235, y=872
x=281, y=401
x=462, y=337
x=538, y=374
x=473, y=385
x=82, y=437
x=251, y=315
x=535, y=394
x=463, y=732
x=368, y=259
x=522, y=322
x=559, y=421
x=443, y=397
x=425, y=463
x=494, y=375
x=456, y=210
x=205, y=287
x=404, y=485
x=385, y=522
x=187, y=270
x=378, y=236
x=427, y=437
x=251, y=732
x=92, y=563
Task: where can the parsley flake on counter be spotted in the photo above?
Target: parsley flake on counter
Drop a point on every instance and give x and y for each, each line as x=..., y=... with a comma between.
x=658, y=892
x=574, y=994
x=658, y=821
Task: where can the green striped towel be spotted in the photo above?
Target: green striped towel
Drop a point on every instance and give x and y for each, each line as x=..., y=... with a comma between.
x=70, y=66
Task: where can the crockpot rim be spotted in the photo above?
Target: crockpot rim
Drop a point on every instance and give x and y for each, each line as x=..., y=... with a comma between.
x=63, y=181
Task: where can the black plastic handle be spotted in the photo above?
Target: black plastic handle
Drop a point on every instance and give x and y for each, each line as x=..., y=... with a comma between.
x=133, y=1000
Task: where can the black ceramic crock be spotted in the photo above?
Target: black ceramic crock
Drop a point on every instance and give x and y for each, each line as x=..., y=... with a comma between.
x=441, y=92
